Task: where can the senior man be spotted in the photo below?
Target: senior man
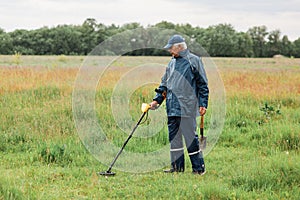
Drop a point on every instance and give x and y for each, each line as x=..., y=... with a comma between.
x=185, y=88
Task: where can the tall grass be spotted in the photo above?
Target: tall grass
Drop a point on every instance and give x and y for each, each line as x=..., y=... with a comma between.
x=42, y=157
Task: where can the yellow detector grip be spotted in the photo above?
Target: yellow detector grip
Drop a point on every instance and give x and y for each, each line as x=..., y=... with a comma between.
x=145, y=107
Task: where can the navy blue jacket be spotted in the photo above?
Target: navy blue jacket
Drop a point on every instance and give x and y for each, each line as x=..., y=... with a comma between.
x=185, y=84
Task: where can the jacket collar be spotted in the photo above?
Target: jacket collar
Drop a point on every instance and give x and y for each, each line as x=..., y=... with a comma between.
x=184, y=53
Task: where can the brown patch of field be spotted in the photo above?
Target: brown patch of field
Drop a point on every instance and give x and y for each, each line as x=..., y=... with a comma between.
x=261, y=83
x=16, y=79
x=258, y=78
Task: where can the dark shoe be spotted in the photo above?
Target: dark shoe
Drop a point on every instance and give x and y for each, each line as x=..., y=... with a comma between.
x=201, y=173
x=171, y=170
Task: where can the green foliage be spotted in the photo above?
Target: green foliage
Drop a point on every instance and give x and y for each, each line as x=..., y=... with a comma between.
x=218, y=40
x=274, y=43
x=55, y=153
x=243, y=48
x=15, y=142
x=8, y=192
x=221, y=40
x=17, y=58
x=296, y=48
x=258, y=35
x=62, y=58
x=281, y=171
x=269, y=111
x=6, y=45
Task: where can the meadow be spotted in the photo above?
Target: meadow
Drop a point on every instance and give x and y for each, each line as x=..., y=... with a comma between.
x=42, y=156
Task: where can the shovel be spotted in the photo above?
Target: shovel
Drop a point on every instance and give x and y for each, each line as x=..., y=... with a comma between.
x=202, y=137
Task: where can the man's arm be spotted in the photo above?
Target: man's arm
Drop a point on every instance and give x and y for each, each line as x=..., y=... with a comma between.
x=161, y=93
x=202, y=88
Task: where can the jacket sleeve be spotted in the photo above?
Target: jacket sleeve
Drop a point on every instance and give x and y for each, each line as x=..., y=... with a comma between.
x=159, y=97
x=201, y=85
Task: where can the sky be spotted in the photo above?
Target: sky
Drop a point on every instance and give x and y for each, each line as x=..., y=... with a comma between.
x=242, y=15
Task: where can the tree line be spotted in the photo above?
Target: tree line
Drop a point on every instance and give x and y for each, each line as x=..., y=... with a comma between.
x=218, y=40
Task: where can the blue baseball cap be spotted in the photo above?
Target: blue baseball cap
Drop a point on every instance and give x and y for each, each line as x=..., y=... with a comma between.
x=174, y=40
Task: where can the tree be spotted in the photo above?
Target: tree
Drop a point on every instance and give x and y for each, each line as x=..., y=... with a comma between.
x=296, y=48
x=258, y=34
x=217, y=40
x=66, y=40
x=220, y=40
x=112, y=30
x=131, y=26
x=6, y=46
x=165, y=25
x=199, y=34
x=286, y=46
x=274, y=43
x=186, y=29
x=100, y=33
x=42, y=43
x=21, y=41
x=244, y=45
x=88, y=36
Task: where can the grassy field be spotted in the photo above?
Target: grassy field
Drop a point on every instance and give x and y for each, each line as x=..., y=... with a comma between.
x=256, y=157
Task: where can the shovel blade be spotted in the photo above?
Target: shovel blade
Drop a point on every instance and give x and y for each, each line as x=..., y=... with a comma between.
x=202, y=143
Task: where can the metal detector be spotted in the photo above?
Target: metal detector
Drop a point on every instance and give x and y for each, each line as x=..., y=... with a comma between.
x=145, y=108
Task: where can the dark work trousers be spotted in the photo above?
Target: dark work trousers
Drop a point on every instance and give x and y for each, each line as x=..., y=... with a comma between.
x=185, y=126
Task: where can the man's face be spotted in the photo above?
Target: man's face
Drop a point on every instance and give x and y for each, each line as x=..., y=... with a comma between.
x=174, y=50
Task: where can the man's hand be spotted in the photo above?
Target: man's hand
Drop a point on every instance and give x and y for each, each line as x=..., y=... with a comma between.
x=202, y=111
x=153, y=105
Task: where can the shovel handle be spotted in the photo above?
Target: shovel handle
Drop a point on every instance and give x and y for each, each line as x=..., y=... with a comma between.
x=202, y=126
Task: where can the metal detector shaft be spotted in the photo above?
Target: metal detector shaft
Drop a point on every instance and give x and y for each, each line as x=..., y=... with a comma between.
x=115, y=159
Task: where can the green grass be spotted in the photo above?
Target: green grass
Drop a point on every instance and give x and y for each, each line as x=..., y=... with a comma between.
x=42, y=157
